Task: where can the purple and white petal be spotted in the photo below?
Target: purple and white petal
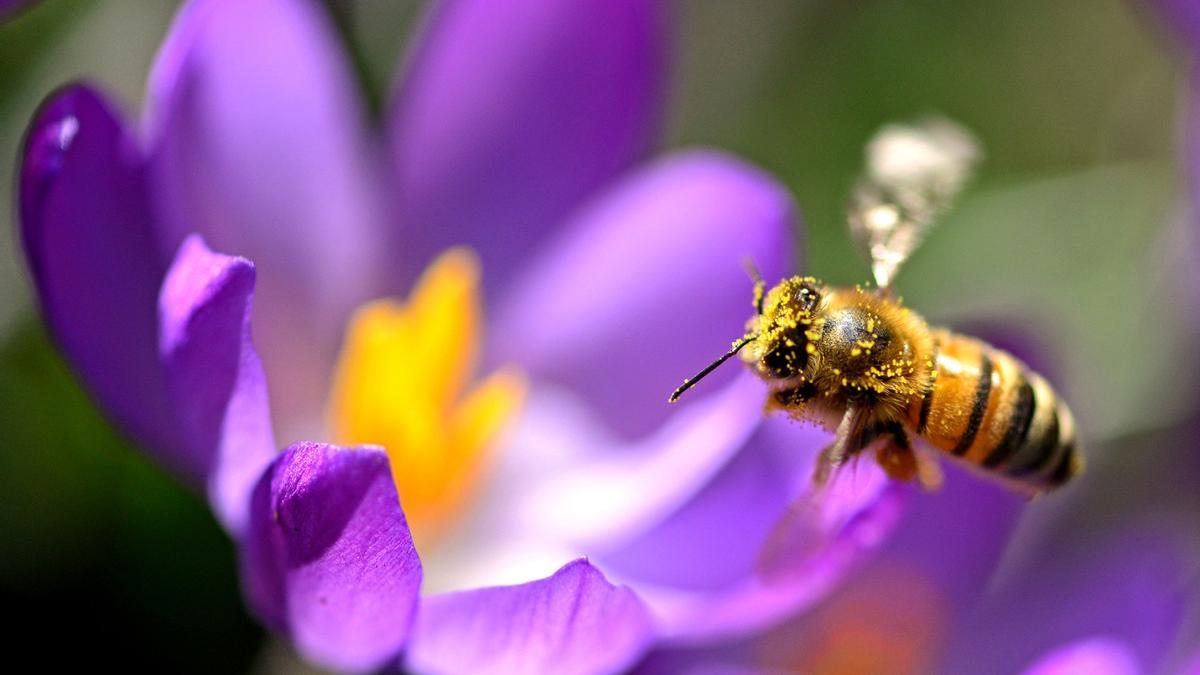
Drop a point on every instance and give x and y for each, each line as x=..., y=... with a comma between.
x=681, y=516
x=1090, y=656
x=647, y=285
x=258, y=141
x=558, y=454
x=329, y=560
x=91, y=244
x=616, y=491
x=853, y=522
x=510, y=114
x=574, y=622
x=214, y=379
x=712, y=539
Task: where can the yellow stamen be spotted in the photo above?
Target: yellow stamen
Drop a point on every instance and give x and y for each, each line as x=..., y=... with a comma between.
x=403, y=383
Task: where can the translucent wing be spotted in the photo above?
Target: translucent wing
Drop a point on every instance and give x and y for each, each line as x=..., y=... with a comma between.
x=855, y=503
x=912, y=175
x=837, y=492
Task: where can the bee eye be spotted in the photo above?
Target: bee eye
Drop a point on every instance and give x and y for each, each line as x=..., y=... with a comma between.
x=784, y=362
x=807, y=297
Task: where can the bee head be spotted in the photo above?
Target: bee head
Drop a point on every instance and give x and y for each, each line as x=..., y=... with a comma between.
x=785, y=327
x=779, y=332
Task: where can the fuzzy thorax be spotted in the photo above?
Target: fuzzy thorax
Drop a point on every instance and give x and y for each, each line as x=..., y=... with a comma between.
x=823, y=348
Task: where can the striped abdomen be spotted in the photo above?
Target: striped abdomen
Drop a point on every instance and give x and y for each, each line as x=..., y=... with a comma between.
x=984, y=406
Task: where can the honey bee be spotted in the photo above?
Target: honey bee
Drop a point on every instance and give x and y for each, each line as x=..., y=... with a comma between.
x=859, y=363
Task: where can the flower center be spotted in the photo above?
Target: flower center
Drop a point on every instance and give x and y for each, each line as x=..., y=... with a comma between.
x=404, y=381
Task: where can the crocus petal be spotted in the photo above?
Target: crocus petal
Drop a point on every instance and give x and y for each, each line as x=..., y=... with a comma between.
x=559, y=454
x=860, y=518
x=513, y=112
x=90, y=242
x=1131, y=586
x=1092, y=656
x=1182, y=17
x=214, y=378
x=616, y=492
x=953, y=539
x=647, y=285
x=329, y=560
x=713, y=539
x=572, y=622
x=258, y=141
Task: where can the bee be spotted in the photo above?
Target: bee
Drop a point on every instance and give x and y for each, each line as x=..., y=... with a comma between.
x=858, y=362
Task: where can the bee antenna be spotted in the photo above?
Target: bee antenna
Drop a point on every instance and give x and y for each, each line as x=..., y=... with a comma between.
x=691, y=381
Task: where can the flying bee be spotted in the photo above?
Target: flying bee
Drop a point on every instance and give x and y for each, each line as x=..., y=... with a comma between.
x=859, y=363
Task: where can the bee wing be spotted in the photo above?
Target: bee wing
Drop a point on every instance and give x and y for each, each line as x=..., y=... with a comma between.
x=826, y=505
x=912, y=175
x=817, y=517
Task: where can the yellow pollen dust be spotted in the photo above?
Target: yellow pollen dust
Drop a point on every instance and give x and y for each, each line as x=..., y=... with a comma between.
x=404, y=381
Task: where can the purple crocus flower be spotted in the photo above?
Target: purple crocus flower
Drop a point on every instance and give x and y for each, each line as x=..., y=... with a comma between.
x=520, y=133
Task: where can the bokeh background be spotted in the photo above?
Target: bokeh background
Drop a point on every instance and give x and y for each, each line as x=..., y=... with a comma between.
x=1075, y=242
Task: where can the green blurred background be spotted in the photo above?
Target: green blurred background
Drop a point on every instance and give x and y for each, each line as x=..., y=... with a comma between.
x=1074, y=237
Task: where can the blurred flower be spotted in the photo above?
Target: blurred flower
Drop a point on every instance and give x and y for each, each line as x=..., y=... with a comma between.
x=10, y=8
x=1181, y=19
x=514, y=134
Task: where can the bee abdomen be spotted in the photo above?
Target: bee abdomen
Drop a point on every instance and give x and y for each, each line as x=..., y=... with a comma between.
x=984, y=406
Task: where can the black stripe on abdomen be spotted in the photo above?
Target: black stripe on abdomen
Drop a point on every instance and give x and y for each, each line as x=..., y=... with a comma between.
x=1066, y=466
x=1032, y=457
x=983, y=391
x=1018, y=425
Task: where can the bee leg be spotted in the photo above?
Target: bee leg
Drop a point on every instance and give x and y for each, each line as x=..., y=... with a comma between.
x=929, y=471
x=894, y=453
x=792, y=399
x=847, y=441
x=901, y=461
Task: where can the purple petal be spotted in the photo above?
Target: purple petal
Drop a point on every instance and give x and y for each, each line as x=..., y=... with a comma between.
x=572, y=622
x=1181, y=17
x=861, y=517
x=617, y=491
x=329, y=560
x=563, y=487
x=512, y=113
x=943, y=549
x=91, y=246
x=258, y=141
x=955, y=537
x=713, y=539
x=647, y=285
x=1092, y=656
x=1132, y=585
x=214, y=378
